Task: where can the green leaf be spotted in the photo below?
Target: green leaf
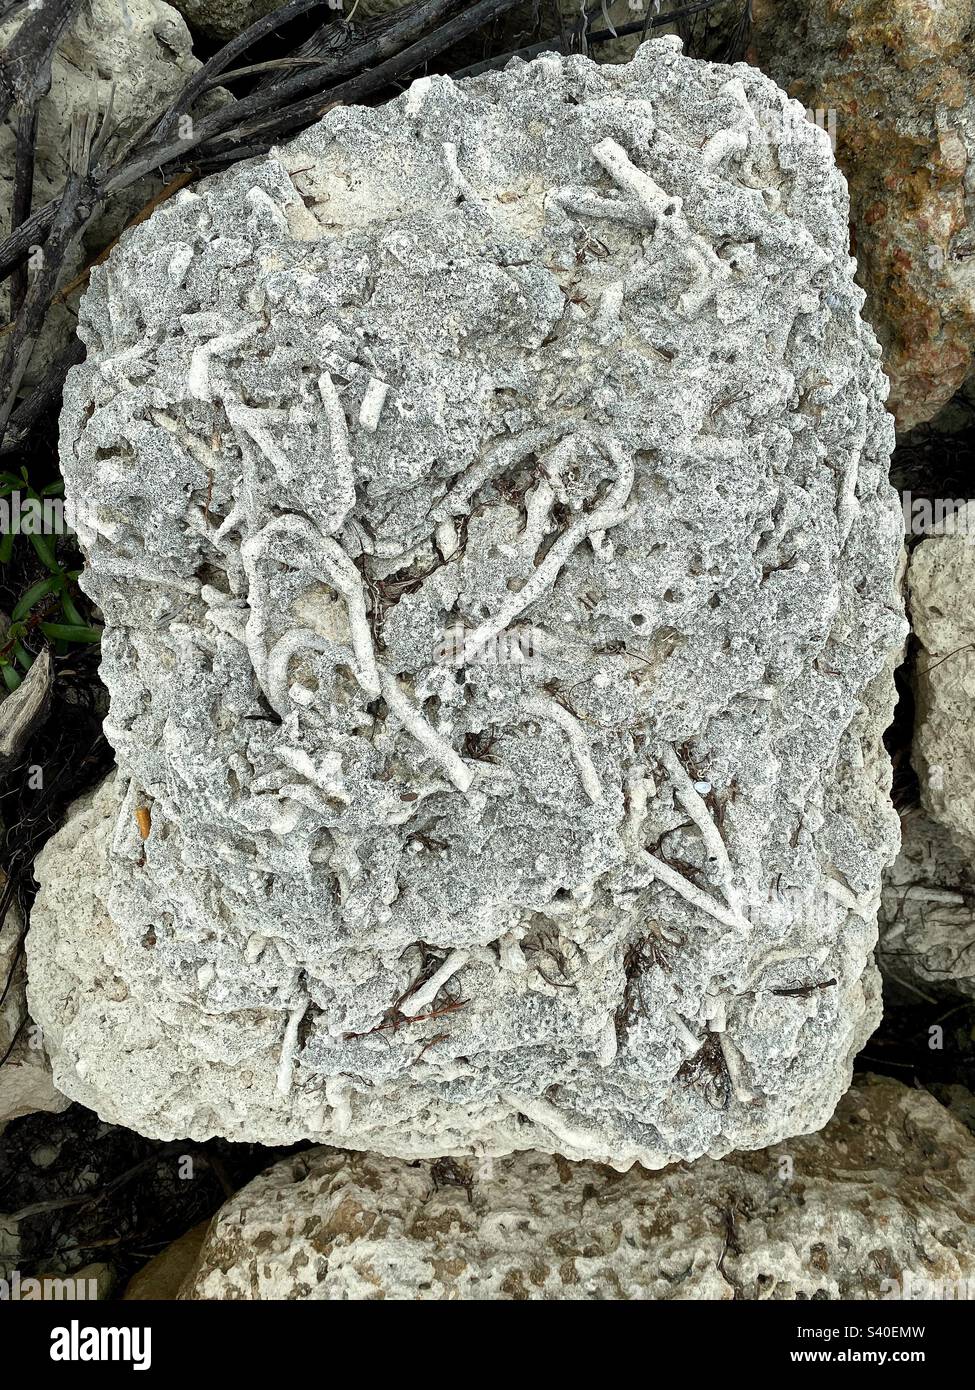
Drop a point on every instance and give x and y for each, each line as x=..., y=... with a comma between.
x=70, y=611
x=10, y=677
x=35, y=593
x=71, y=632
x=45, y=552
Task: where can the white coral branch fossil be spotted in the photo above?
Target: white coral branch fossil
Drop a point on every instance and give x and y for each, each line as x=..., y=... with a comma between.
x=670, y=878
x=343, y=574
x=722, y=144
x=289, y=1046
x=198, y=377
x=254, y=424
x=280, y=656
x=612, y=512
x=425, y=994
x=736, y=1071
x=571, y=1138
x=696, y=807
x=425, y=734
x=461, y=184
x=667, y=212
x=373, y=400
x=495, y=460
x=291, y=527
x=544, y=707
x=865, y=906
x=344, y=474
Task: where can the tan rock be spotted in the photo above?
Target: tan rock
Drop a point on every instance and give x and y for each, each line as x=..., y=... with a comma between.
x=881, y=1202
x=941, y=582
x=900, y=77
x=26, y=1084
x=161, y=1278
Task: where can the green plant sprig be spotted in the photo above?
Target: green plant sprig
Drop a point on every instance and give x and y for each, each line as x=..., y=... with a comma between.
x=46, y=599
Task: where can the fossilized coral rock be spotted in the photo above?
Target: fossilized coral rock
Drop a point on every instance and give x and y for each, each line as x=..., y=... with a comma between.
x=486, y=497
x=880, y=1204
x=899, y=77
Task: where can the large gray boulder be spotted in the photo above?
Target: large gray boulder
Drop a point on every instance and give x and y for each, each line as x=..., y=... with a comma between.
x=486, y=496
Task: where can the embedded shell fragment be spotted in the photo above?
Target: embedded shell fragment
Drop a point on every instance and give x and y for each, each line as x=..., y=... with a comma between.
x=486, y=498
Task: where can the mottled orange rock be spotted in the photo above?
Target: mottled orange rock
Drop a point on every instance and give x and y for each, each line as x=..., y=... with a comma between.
x=900, y=76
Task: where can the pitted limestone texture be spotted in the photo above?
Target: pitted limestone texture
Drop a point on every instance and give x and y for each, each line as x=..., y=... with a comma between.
x=568, y=359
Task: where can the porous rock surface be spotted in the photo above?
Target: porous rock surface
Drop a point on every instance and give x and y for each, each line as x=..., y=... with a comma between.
x=880, y=1204
x=927, y=914
x=941, y=581
x=563, y=364
x=899, y=78
x=129, y=58
x=222, y=19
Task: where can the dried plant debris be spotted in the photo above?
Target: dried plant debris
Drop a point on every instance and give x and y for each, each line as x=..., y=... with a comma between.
x=105, y=64
x=74, y=1190
x=486, y=497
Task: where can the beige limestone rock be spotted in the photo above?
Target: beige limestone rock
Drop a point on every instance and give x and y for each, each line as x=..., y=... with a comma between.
x=900, y=78
x=941, y=582
x=881, y=1203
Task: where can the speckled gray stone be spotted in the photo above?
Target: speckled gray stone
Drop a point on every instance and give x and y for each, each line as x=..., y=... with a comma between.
x=566, y=364
x=222, y=19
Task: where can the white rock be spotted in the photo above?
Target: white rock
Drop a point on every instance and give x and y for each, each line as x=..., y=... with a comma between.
x=881, y=1204
x=625, y=395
